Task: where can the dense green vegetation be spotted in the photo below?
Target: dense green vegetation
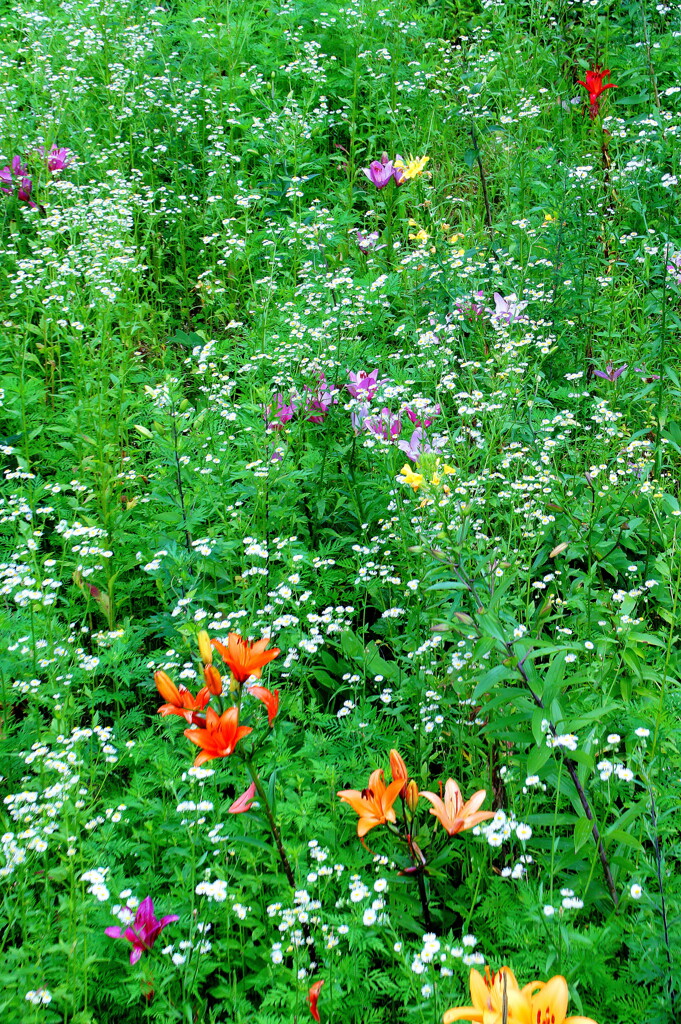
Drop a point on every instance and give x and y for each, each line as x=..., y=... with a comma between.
x=352, y=329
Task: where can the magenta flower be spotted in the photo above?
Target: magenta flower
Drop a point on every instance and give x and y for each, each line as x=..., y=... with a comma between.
x=380, y=172
x=320, y=401
x=507, y=308
x=470, y=306
x=57, y=159
x=282, y=414
x=418, y=445
x=244, y=802
x=610, y=372
x=430, y=415
x=14, y=175
x=144, y=931
x=384, y=425
x=363, y=384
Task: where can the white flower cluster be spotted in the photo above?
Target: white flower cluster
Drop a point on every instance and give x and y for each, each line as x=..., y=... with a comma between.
x=97, y=880
x=501, y=827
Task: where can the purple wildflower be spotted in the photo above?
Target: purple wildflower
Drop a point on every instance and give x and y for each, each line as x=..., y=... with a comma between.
x=282, y=414
x=56, y=159
x=15, y=175
x=363, y=384
x=320, y=400
x=611, y=373
x=674, y=268
x=430, y=415
x=144, y=931
x=379, y=174
x=367, y=242
x=418, y=445
x=507, y=309
x=358, y=417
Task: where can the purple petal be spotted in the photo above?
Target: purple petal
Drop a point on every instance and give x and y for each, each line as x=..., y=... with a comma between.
x=114, y=932
x=136, y=954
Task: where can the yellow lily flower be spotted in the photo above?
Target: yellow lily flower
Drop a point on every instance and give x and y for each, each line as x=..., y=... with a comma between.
x=537, y=1003
x=412, y=168
x=408, y=476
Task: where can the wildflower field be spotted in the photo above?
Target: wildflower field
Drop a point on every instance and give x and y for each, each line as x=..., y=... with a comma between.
x=340, y=435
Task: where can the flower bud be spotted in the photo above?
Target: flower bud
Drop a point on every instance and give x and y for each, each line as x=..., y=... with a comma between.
x=412, y=795
x=398, y=767
x=205, y=649
x=165, y=686
x=213, y=679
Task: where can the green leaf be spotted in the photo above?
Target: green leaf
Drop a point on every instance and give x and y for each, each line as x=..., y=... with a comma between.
x=583, y=832
x=538, y=757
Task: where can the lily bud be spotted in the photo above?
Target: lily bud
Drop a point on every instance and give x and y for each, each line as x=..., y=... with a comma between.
x=165, y=686
x=399, y=770
x=205, y=649
x=412, y=795
x=213, y=679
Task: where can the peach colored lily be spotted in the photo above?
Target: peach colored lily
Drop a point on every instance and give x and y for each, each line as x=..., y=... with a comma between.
x=373, y=804
x=220, y=737
x=245, y=658
x=179, y=700
x=537, y=1003
x=455, y=815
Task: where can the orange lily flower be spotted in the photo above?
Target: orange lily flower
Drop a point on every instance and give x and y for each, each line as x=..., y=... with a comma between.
x=179, y=700
x=455, y=815
x=270, y=700
x=245, y=658
x=220, y=737
x=537, y=1003
x=375, y=803
x=313, y=997
x=399, y=769
x=213, y=679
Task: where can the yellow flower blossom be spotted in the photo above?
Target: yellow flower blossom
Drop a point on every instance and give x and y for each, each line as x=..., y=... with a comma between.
x=412, y=168
x=408, y=476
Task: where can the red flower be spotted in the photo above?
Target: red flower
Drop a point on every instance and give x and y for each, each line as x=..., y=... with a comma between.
x=220, y=736
x=245, y=658
x=313, y=996
x=179, y=700
x=270, y=700
x=594, y=86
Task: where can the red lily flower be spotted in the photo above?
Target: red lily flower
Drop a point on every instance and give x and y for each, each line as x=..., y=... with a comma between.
x=313, y=996
x=270, y=700
x=180, y=700
x=245, y=658
x=594, y=86
x=220, y=736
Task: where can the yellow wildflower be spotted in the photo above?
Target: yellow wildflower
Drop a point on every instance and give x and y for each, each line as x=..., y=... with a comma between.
x=412, y=168
x=408, y=476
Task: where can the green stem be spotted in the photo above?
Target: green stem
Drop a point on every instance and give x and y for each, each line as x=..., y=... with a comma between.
x=283, y=859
